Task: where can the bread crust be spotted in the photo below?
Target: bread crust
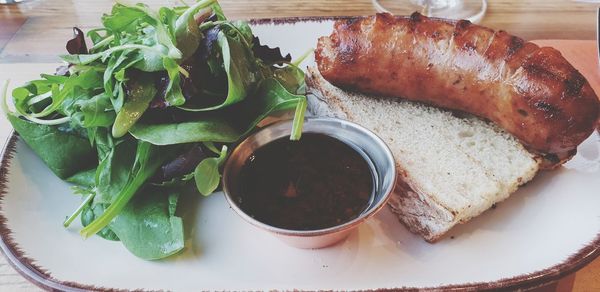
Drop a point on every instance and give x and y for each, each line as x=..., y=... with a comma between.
x=418, y=210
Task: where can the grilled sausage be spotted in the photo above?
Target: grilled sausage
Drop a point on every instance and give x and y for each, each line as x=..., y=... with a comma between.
x=532, y=92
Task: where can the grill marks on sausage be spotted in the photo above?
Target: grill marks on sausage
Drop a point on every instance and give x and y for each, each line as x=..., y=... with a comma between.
x=550, y=111
x=574, y=84
x=535, y=70
x=541, y=98
x=515, y=44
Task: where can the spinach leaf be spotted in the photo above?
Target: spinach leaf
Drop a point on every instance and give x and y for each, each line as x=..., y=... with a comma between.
x=148, y=158
x=141, y=92
x=227, y=125
x=148, y=227
x=207, y=174
x=85, y=178
x=114, y=171
x=64, y=153
x=206, y=128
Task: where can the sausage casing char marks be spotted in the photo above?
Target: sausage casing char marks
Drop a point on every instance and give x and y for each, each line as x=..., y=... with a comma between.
x=531, y=92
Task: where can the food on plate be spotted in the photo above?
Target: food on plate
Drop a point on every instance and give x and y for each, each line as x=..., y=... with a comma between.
x=149, y=108
x=314, y=183
x=531, y=92
x=450, y=168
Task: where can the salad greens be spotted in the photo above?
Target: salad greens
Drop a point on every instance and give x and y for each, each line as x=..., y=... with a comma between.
x=151, y=108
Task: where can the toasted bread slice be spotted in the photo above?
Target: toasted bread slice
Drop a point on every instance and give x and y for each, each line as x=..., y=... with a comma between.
x=451, y=168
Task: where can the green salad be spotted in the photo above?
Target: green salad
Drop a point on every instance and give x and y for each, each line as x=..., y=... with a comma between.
x=149, y=110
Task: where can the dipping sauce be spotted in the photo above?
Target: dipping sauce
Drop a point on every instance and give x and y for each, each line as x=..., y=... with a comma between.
x=315, y=183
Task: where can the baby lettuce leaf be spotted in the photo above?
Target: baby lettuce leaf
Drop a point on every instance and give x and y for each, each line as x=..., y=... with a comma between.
x=267, y=54
x=240, y=67
x=141, y=92
x=226, y=125
x=186, y=29
x=148, y=227
x=207, y=174
x=77, y=45
x=64, y=153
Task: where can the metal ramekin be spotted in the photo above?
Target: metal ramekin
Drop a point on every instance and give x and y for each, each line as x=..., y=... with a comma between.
x=376, y=152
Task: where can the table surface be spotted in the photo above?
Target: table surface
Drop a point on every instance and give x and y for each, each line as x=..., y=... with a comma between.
x=34, y=32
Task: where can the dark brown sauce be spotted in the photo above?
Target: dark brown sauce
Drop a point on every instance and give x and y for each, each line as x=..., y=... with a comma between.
x=315, y=183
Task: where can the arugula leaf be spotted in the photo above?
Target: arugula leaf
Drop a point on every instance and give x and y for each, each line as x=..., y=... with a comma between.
x=161, y=32
x=227, y=125
x=123, y=19
x=148, y=226
x=174, y=95
x=207, y=174
x=94, y=112
x=64, y=153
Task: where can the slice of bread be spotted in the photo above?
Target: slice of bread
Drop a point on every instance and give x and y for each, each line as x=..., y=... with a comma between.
x=451, y=168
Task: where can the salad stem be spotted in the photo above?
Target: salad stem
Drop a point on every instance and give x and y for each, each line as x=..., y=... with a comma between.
x=301, y=59
x=298, y=120
x=47, y=122
x=103, y=42
x=183, y=18
x=211, y=147
x=85, y=202
x=39, y=98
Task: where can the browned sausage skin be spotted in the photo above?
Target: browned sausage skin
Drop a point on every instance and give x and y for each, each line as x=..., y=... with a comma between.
x=532, y=92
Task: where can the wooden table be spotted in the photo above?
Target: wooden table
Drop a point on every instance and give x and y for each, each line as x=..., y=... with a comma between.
x=35, y=31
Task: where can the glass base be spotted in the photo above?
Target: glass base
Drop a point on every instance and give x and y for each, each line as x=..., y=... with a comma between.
x=472, y=10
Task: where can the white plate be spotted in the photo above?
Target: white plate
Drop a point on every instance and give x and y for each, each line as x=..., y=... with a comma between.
x=547, y=229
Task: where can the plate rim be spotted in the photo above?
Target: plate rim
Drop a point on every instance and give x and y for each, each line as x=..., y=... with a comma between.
x=42, y=278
